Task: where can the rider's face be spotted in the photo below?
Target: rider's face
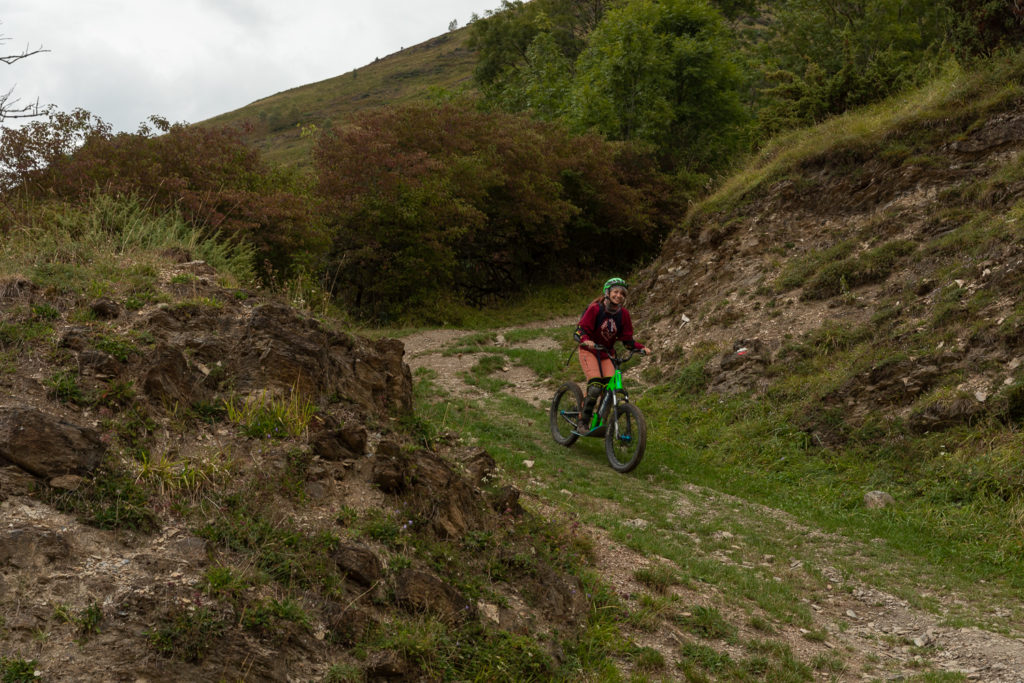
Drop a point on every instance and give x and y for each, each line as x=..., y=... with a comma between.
x=617, y=295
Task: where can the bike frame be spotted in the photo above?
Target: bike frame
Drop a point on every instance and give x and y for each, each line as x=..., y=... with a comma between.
x=613, y=393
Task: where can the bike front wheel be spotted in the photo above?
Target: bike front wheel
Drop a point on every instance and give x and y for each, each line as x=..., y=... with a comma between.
x=625, y=438
x=566, y=407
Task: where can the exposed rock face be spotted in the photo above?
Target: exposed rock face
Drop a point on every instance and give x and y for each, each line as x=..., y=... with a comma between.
x=46, y=446
x=105, y=308
x=942, y=415
x=98, y=364
x=169, y=376
x=742, y=368
x=752, y=267
x=344, y=442
x=31, y=546
x=437, y=493
x=272, y=348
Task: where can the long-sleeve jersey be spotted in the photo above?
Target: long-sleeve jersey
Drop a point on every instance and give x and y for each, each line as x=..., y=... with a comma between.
x=603, y=328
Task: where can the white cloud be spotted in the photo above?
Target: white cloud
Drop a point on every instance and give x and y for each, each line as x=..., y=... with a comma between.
x=188, y=60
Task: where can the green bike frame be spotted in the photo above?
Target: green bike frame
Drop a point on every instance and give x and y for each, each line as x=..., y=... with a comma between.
x=610, y=394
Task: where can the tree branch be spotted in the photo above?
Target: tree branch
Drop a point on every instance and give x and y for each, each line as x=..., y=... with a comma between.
x=9, y=107
x=11, y=59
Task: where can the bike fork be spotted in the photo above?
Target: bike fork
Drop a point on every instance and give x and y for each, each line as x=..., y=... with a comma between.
x=607, y=408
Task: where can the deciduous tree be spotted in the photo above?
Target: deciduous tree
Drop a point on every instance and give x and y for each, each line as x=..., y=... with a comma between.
x=427, y=203
x=662, y=73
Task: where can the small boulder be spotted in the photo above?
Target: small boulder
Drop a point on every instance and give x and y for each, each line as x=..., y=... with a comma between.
x=105, y=309
x=420, y=592
x=506, y=501
x=46, y=446
x=387, y=665
x=31, y=547
x=67, y=482
x=874, y=500
x=169, y=377
x=98, y=364
x=339, y=444
x=359, y=564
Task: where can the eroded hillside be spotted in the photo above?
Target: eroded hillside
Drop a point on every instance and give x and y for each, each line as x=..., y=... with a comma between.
x=201, y=483
x=908, y=242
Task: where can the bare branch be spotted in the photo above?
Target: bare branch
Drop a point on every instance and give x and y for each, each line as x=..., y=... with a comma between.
x=11, y=59
x=9, y=106
x=10, y=109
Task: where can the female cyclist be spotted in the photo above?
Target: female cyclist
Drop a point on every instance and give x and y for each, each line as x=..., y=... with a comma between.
x=605, y=322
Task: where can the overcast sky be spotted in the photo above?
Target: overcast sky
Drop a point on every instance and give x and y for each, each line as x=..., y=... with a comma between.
x=188, y=60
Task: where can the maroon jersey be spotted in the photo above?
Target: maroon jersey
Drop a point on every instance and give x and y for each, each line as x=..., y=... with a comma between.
x=604, y=328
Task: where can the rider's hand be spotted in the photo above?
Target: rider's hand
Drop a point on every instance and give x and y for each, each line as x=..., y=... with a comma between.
x=588, y=344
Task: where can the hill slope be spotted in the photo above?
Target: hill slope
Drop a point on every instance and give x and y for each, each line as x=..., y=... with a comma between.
x=892, y=236
x=441, y=64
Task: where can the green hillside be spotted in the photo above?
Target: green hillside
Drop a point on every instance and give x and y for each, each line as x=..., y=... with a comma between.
x=224, y=453
x=440, y=65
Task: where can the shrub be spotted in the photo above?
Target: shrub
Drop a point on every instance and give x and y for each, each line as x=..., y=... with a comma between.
x=17, y=670
x=447, y=200
x=871, y=266
x=208, y=175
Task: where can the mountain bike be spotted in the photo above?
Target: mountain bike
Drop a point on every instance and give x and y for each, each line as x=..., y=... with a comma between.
x=616, y=419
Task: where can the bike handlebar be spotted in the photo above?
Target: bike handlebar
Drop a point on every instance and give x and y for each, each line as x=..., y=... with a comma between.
x=611, y=352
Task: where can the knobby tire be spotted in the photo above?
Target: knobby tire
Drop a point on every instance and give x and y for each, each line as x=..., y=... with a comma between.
x=625, y=438
x=565, y=411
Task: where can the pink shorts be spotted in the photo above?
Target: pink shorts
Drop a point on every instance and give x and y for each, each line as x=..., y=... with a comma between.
x=592, y=367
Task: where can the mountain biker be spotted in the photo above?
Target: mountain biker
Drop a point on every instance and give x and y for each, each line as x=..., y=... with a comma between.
x=605, y=322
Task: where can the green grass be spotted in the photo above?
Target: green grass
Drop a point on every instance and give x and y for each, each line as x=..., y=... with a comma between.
x=266, y=617
x=188, y=635
x=442, y=64
x=285, y=554
x=110, y=499
x=271, y=417
x=116, y=346
x=110, y=247
x=948, y=530
x=13, y=670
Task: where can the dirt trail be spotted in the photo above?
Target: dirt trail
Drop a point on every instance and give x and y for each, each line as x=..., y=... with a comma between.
x=425, y=349
x=875, y=634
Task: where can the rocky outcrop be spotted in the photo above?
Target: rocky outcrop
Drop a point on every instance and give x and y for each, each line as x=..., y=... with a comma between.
x=271, y=348
x=742, y=368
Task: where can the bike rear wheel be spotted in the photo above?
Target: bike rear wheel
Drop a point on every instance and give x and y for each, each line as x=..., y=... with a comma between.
x=566, y=407
x=625, y=438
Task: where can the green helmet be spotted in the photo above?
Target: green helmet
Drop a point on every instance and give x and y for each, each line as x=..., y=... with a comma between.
x=614, y=282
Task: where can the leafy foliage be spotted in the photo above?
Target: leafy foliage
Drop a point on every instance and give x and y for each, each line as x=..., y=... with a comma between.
x=427, y=201
x=662, y=73
x=653, y=72
x=17, y=670
x=703, y=90
x=825, y=57
x=208, y=175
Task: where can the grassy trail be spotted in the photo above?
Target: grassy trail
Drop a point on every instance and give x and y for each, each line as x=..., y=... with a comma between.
x=722, y=561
